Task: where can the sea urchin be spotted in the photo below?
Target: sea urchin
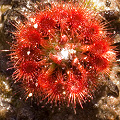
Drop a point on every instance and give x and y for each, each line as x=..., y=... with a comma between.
x=60, y=51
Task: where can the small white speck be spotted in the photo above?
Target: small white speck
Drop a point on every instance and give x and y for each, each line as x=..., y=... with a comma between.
x=36, y=84
x=22, y=40
x=23, y=9
x=68, y=28
x=18, y=22
x=0, y=25
x=68, y=72
x=85, y=58
x=6, y=86
x=118, y=60
x=75, y=60
x=28, y=4
x=90, y=67
x=114, y=32
x=100, y=32
x=118, y=83
x=64, y=92
x=49, y=31
x=28, y=52
x=36, y=25
x=32, y=19
x=30, y=95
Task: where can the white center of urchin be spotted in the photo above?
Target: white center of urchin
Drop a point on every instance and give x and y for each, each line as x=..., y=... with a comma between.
x=66, y=53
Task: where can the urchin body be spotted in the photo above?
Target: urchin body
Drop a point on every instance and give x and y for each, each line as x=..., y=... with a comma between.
x=60, y=51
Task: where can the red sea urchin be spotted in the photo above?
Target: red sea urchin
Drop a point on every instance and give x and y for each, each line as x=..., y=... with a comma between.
x=60, y=51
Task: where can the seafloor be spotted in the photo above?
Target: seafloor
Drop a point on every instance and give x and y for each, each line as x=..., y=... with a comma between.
x=106, y=102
